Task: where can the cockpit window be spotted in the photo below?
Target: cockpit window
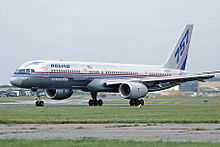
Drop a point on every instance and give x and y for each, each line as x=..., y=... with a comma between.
x=20, y=70
x=25, y=70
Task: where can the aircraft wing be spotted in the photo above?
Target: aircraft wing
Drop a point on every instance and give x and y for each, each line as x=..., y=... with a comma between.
x=212, y=72
x=157, y=80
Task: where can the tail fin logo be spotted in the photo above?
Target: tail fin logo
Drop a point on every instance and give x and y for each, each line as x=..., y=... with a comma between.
x=181, y=47
x=178, y=57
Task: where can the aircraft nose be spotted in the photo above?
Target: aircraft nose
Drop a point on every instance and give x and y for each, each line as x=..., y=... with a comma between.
x=15, y=81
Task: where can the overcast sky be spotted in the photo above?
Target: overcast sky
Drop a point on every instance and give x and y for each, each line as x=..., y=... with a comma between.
x=124, y=31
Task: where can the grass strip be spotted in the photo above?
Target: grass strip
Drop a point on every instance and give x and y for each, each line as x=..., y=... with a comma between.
x=92, y=142
x=108, y=114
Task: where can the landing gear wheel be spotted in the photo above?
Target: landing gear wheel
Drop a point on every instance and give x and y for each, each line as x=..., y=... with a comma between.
x=39, y=103
x=136, y=102
x=132, y=102
x=91, y=102
x=141, y=102
x=42, y=103
x=100, y=102
x=95, y=102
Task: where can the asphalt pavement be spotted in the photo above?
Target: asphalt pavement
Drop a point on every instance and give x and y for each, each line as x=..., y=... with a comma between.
x=146, y=132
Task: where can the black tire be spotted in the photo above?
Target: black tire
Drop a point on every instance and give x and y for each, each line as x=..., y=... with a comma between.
x=41, y=103
x=37, y=104
x=132, y=102
x=136, y=102
x=100, y=102
x=91, y=102
x=141, y=101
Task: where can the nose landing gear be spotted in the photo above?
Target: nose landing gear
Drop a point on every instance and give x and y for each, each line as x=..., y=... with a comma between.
x=39, y=102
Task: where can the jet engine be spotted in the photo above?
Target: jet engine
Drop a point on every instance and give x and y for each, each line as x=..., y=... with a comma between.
x=133, y=90
x=58, y=94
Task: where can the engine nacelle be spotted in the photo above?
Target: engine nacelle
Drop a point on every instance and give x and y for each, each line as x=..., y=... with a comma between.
x=58, y=94
x=133, y=90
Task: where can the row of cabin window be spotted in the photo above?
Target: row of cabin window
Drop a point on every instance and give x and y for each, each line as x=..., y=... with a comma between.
x=97, y=72
x=158, y=74
x=119, y=72
x=112, y=72
x=61, y=70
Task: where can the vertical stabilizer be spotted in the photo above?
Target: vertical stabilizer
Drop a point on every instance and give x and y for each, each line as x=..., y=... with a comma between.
x=178, y=58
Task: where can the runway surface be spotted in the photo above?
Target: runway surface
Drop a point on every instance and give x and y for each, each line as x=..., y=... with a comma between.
x=74, y=101
x=147, y=132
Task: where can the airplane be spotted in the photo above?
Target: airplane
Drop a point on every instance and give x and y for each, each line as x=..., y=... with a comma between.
x=59, y=78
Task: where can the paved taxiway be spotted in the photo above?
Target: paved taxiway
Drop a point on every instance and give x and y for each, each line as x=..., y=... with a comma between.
x=151, y=132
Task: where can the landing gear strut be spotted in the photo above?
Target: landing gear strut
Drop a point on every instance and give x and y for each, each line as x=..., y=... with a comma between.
x=136, y=102
x=94, y=101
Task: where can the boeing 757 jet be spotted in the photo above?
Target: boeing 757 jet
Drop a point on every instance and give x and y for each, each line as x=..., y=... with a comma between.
x=133, y=82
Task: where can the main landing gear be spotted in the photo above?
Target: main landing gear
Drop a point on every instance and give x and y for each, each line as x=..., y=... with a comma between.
x=94, y=101
x=136, y=102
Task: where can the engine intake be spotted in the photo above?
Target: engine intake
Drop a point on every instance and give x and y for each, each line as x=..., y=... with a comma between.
x=58, y=94
x=133, y=90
